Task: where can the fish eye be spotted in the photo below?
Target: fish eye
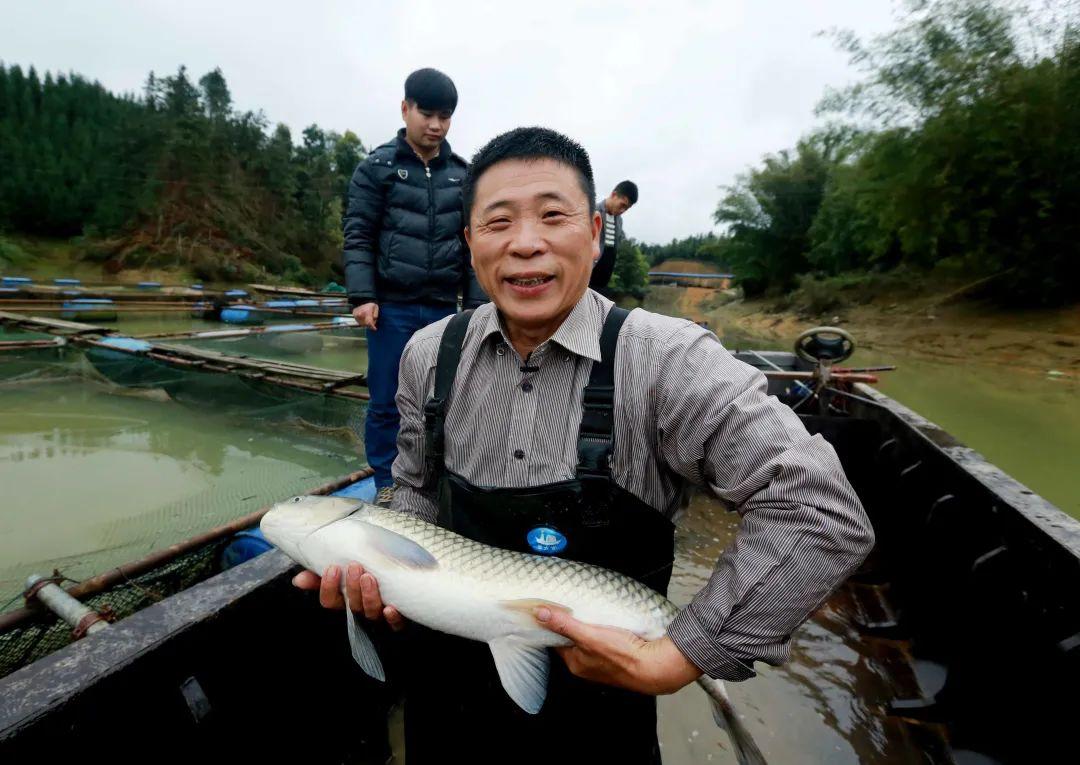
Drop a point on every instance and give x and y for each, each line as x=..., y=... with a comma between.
x=296, y=499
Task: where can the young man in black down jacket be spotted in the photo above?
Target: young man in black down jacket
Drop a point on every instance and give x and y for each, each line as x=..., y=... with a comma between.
x=405, y=256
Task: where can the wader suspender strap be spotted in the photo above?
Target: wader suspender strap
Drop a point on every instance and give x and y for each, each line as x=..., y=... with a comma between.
x=435, y=410
x=596, y=436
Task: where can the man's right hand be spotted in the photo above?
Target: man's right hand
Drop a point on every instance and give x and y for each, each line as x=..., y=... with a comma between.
x=362, y=590
x=366, y=315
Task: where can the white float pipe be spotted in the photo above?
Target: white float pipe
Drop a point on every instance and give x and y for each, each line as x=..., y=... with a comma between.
x=80, y=618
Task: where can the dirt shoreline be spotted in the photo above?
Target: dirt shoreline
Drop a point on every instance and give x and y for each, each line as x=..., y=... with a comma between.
x=931, y=326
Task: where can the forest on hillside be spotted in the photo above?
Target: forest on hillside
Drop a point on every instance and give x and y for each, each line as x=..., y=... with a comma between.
x=957, y=153
x=172, y=177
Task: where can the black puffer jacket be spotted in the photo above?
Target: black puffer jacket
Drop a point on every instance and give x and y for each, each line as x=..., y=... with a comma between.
x=403, y=229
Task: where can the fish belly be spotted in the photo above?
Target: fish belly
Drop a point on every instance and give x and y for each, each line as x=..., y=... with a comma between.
x=447, y=604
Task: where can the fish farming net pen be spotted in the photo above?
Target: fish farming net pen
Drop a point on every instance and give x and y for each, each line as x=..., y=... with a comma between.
x=39, y=636
x=29, y=634
x=309, y=378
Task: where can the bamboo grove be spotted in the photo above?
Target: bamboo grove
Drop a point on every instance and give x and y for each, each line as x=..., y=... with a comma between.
x=957, y=153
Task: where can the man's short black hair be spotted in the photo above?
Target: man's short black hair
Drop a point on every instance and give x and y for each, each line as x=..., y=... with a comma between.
x=530, y=143
x=627, y=189
x=431, y=90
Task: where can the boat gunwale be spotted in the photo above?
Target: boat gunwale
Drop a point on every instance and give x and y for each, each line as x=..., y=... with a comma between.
x=1043, y=515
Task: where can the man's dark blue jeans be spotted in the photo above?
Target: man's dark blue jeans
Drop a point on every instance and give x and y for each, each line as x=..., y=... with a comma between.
x=396, y=324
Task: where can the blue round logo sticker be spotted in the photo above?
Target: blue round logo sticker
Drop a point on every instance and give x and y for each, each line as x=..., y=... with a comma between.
x=546, y=541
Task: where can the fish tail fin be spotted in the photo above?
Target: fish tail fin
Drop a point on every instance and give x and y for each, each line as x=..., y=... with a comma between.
x=746, y=749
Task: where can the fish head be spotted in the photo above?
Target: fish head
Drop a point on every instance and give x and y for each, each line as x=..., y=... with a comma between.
x=289, y=523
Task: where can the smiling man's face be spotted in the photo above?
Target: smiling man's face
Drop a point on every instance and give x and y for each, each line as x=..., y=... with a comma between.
x=533, y=241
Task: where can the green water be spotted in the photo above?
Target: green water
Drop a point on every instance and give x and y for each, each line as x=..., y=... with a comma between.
x=148, y=323
x=1027, y=424
x=94, y=478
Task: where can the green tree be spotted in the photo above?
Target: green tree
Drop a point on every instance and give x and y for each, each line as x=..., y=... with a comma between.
x=974, y=158
x=631, y=273
x=768, y=213
x=173, y=176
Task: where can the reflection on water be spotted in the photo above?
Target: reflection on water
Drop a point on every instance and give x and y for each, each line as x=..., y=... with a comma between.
x=824, y=706
x=93, y=479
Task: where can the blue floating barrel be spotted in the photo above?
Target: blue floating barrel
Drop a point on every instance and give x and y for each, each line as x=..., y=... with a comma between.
x=306, y=303
x=9, y=290
x=288, y=327
x=125, y=343
x=363, y=490
x=236, y=293
x=70, y=292
x=280, y=304
x=244, y=546
x=240, y=314
x=66, y=282
x=10, y=280
x=149, y=285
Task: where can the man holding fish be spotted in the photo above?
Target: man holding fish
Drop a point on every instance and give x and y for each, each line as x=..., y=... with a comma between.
x=553, y=423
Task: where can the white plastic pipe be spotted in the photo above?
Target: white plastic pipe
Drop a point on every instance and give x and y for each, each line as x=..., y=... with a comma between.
x=63, y=605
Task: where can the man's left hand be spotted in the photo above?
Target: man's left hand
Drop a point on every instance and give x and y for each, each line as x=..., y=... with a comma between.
x=619, y=657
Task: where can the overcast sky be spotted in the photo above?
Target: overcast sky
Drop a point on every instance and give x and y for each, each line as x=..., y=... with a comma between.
x=678, y=96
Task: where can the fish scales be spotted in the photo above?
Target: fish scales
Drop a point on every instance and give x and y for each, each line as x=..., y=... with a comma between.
x=475, y=560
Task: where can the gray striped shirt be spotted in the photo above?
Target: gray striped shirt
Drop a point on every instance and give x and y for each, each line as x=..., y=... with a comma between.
x=687, y=413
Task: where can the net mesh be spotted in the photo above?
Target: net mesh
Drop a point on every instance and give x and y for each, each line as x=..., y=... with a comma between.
x=227, y=394
x=37, y=637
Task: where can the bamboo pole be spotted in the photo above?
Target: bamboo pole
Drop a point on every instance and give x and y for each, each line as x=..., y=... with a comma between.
x=837, y=376
x=134, y=568
x=14, y=345
x=222, y=334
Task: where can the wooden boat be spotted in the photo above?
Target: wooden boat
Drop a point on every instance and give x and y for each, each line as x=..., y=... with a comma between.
x=974, y=577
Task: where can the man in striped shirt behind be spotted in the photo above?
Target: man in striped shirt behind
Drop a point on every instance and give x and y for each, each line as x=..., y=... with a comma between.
x=551, y=421
x=622, y=198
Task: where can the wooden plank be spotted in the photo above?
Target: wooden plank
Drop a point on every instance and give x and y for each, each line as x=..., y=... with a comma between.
x=40, y=322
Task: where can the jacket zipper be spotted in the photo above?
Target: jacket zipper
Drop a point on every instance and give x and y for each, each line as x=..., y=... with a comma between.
x=431, y=220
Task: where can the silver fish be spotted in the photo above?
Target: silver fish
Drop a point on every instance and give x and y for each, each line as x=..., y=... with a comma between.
x=448, y=582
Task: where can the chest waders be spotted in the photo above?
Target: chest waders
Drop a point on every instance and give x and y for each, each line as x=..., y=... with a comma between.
x=456, y=708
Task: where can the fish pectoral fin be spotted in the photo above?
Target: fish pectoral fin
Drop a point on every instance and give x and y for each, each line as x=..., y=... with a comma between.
x=523, y=670
x=363, y=650
x=398, y=549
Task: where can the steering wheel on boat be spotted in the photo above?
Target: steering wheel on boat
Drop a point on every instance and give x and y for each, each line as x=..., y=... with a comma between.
x=824, y=345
